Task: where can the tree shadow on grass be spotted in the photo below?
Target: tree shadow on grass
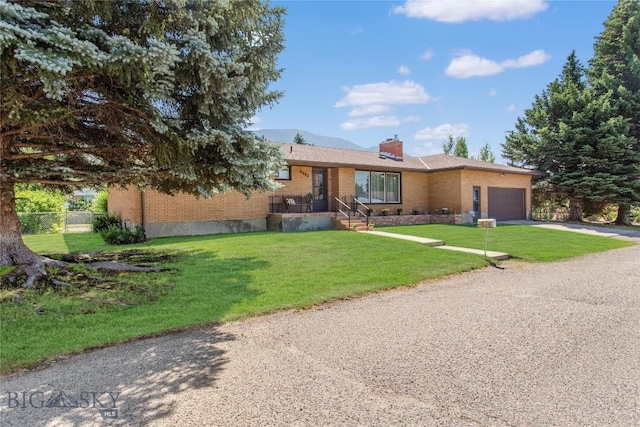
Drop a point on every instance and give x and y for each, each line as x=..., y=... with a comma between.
x=152, y=376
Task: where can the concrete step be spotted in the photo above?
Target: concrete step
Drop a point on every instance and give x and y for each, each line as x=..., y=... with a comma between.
x=345, y=224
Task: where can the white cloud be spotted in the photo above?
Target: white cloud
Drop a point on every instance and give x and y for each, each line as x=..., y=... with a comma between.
x=357, y=30
x=404, y=70
x=367, y=110
x=468, y=64
x=536, y=57
x=442, y=132
x=427, y=55
x=455, y=11
x=511, y=108
x=492, y=92
x=377, y=121
x=391, y=93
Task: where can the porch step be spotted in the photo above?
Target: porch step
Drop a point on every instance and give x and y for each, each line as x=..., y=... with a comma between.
x=345, y=224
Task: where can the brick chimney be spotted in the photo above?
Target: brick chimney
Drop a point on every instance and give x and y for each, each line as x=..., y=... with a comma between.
x=391, y=148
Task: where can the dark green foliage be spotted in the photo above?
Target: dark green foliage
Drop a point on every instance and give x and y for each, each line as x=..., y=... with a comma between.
x=614, y=73
x=122, y=235
x=573, y=135
x=114, y=232
x=101, y=223
x=583, y=131
x=299, y=139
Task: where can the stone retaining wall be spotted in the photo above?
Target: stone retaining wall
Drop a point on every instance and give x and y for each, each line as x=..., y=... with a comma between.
x=416, y=219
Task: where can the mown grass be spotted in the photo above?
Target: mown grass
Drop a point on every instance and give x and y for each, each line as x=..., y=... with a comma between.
x=520, y=241
x=218, y=278
x=224, y=277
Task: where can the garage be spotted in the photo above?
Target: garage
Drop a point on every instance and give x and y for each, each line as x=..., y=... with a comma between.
x=507, y=203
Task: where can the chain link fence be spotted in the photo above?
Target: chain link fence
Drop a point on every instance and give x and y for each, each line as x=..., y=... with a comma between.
x=56, y=222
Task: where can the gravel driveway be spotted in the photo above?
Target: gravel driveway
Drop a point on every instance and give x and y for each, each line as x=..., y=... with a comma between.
x=531, y=345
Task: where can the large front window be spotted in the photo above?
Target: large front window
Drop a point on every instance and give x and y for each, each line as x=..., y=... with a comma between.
x=378, y=187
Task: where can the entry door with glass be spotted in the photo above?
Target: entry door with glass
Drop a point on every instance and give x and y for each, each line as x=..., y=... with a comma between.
x=320, y=190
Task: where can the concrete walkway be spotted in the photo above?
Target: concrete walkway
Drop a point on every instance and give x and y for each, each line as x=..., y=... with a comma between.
x=594, y=230
x=439, y=244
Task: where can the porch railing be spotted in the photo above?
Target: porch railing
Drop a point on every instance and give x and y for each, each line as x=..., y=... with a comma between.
x=292, y=203
x=349, y=207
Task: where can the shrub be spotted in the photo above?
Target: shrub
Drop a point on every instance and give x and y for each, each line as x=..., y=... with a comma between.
x=114, y=232
x=101, y=223
x=122, y=235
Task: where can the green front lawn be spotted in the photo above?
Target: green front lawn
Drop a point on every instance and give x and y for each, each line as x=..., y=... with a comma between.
x=224, y=277
x=520, y=241
x=219, y=278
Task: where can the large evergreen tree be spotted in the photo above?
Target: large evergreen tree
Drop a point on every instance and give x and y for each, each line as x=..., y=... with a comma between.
x=155, y=94
x=614, y=73
x=553, y=132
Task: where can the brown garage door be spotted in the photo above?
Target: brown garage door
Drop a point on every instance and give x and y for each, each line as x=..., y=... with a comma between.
x=506, y=203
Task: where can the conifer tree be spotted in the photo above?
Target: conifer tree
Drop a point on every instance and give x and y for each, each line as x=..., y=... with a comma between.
x=614, y=73
x=155, y=94
x=550, y=135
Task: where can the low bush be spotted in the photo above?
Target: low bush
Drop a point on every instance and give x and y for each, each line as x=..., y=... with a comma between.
x=122, y=235
x=114, y=232
x=101, y=223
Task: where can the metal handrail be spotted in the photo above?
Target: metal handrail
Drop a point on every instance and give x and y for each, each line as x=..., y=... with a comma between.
x=366, y=208
x=345, y=214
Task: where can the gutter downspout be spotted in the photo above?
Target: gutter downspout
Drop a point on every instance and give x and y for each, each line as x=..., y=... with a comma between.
x=142, y=209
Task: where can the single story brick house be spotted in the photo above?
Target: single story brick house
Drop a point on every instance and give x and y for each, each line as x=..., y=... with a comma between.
x=319, y=180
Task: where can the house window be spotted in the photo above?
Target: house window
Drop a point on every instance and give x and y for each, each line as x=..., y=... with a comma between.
x=377, y=187
x=284, y=174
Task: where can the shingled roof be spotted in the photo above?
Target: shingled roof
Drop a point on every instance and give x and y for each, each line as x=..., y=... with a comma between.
x=311, y=155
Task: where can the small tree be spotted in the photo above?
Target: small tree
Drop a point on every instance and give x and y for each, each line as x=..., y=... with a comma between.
x=447, y=146
x=486, y=155
x=461, y=149
x=299, y=139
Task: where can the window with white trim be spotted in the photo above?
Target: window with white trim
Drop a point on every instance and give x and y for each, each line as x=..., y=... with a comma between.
x=283, y=174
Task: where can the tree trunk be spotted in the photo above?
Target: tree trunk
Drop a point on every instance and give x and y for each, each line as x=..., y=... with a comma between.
x=575, y=210
x=624, y=214
x=13, y=251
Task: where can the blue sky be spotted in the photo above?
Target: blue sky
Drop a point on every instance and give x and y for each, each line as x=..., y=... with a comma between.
x=368, y=70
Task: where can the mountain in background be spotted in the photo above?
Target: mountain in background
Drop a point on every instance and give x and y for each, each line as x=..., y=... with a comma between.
x=287, y=135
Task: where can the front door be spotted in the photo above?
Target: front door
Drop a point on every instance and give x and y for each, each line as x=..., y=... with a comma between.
x=320, y=190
